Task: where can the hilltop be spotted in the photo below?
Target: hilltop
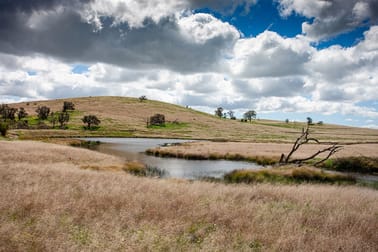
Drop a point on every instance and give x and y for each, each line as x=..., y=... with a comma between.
x=126, y=117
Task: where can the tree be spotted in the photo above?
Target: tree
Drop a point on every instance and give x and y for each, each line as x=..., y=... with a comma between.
x=90, y=120
x=43, y=112
x=249, y=115
x=143, y=98
x=63, y=118
x=7, y=112
x=219, y=112
x=22, y=114
x=53, y=118
x=287, y=121
x=309, y=120
x=231, y=114
x=68, y=106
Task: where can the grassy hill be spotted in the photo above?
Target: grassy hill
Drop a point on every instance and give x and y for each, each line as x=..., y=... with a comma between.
x=126, y=117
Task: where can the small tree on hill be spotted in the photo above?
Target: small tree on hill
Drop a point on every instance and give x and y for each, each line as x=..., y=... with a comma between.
x=90, y=120
x=219, y=112
x=63, y=118
x=43, y=112
x=67, y=105
x=53, y=118
x=249, y=115
x=309, y=120
x=143, y=98
x=7, y=112
x=231, y=114
x=21, y=114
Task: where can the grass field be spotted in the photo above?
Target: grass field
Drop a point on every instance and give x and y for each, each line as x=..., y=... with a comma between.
x=125, y=117
x=59, y=198
x=264, y=153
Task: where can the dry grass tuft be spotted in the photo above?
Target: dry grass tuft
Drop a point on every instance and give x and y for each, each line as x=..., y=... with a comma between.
x=51, y=204
x=288, y=175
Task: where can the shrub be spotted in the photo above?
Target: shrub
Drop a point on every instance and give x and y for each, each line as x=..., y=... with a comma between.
x=3, y=128
x=353, y=164
x=157, y=120
x=289, y=175
x=68, y=106
x=139, y=169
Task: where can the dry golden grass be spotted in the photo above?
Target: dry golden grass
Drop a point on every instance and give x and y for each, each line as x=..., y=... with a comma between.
x=48, y=204
x=122, y=116
x=252, y=151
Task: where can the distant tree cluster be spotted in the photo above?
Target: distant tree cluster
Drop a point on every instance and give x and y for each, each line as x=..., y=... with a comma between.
x=62, y=117
x=247, y=116
x=8, y=118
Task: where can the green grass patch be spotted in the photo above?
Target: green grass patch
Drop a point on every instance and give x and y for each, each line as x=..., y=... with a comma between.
x=366, y=165
x=139, y=169
x=287, y=176
x=92, y=145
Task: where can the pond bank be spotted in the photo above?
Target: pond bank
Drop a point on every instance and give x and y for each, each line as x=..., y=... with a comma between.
x=133, y=149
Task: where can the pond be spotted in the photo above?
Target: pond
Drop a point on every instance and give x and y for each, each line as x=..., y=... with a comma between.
x=133, y=149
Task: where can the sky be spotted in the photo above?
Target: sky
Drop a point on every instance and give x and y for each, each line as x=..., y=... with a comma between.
x=285, y=59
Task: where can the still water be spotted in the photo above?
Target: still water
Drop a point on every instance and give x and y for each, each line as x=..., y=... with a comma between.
x=134, y=148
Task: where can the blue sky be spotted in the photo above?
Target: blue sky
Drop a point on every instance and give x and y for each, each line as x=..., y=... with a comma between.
x=286, y=59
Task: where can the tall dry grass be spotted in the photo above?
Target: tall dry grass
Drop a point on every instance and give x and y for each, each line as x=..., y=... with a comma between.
x=52, y=205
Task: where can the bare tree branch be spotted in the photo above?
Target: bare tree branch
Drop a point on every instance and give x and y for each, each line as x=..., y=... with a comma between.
x=303, y=139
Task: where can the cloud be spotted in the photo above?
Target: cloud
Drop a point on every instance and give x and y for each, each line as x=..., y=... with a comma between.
x=165, y=51
x=300, y=104
x=271, y=55
x=266, y=87
x=346, y=73
x=135, y=12
x=331, y=18
x=182, y=42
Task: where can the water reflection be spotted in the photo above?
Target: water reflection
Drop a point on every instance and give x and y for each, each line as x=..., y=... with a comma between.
x=134, y=148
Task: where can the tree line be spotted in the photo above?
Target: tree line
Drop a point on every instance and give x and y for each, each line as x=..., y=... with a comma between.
x=247, y=116
x=18, y=118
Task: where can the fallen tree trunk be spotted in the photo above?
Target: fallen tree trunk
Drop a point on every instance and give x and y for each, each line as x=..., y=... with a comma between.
x=304, y=139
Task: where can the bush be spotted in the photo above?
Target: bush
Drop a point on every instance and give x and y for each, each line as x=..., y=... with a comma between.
x=353, y=164
x=286, y=176
x=68, y=106
x=157, y=120
x=3, y=129
x=139, y=169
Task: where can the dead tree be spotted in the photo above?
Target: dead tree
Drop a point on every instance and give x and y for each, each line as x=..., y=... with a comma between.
x=304, y=139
